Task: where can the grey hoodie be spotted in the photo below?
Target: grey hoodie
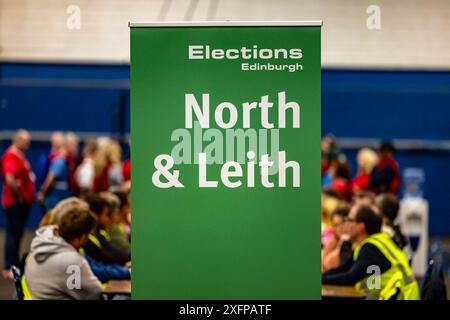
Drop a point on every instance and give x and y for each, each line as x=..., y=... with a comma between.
x=55, y=270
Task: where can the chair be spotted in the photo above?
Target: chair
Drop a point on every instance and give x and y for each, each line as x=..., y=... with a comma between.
x=17, y=282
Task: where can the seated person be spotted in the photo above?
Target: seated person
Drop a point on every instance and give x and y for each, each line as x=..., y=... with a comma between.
x=120, y=232
x=388, y=206
x=330, y=201
x=385, y=176
x=54, y=260
x=374, y=251
x=332, y=255
x=364, y=198
x=104, y=272
x=99, y=246
x=117, y=232
x=53, y=216
x=341, y=181
x=125, y=210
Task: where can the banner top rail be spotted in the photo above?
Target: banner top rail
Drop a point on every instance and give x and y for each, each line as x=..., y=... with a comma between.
x=156, y=24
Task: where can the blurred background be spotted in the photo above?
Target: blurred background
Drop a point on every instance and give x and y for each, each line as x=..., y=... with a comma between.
x=64, y=65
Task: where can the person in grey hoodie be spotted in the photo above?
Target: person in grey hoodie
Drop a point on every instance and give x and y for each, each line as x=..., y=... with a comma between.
x=55, y=270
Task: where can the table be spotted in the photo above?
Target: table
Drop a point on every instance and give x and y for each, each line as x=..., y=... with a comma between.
x=118, y=287
x=328, y=291
x=341, y=292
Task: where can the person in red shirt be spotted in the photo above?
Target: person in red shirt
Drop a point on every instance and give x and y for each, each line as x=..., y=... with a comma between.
x=341, y=181
x=385, y=176
x=367, y=159
x=73, y=160
x=17, y=195
x=126, y=170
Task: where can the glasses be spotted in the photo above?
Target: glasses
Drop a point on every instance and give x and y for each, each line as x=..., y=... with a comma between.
x=338, y=224
x=347, y=219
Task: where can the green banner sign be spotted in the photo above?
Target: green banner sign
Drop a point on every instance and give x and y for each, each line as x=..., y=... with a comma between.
x=225, y=127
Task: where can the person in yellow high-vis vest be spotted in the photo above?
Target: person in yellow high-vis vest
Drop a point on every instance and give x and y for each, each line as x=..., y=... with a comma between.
x=378, y=267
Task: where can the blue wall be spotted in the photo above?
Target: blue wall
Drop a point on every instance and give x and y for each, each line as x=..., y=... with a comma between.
x=356, y=104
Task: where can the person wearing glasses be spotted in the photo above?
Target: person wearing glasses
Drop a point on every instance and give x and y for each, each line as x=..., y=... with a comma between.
x=378, y=267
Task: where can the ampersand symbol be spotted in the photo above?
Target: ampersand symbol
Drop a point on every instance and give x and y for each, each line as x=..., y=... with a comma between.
x=163, y=170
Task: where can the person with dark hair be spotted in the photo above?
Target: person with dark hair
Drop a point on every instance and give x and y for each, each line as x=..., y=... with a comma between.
x=332, y=253
x=364, y=198
x=104, y=272
x=120, y=231
x=55, y=269
x=378, y=267
x=332, y=193
x=341, y=180
x=389, y=206
x=99, y=246
x=385, y=176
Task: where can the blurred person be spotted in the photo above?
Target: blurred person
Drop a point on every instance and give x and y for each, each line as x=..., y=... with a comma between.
x=126, y=170
x=341, y=181
x=99, y=245
x=327, y=178
x=56, y=186
x=54, y=215
x=331, y=156
x=56, y=141
x=72, y=145
x=329, y=151
x=332, y=255
x=54, y=257
x=17, y=196
x=330, y=201
x=104, y=272
x=107, y=272
x=374, y=249
x=115, y=171
x=364, y=198
x=125, y=209
x=327, y=145
x=385, y=176
x=102, y=164
x=85, y=173
x=367, y=159
x=117, y=232
x=73, y=159
x=389, y=206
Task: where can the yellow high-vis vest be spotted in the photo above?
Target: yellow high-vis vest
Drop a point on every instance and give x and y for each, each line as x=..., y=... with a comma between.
x=399, y=279
x=26, y=292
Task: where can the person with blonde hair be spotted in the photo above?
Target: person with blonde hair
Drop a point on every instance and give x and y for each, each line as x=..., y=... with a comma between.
x=332, y=253
x=56, y=186
x=330, y=201
x=85, y=173
x=54, y=216
x=108, y=165
x=115, y=174
x=367, y=160
x=101, y=165
x=56, y=141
